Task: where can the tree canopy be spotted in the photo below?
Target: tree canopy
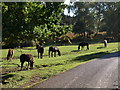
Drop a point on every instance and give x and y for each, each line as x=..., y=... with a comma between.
x=25, y=21
x=32, y=20
x=96, y=16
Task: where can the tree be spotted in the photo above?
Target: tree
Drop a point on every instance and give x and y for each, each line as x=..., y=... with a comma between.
x=13, y=21
x=111, y=19
x=95, y=17
x=83, y=17
x=24, y=21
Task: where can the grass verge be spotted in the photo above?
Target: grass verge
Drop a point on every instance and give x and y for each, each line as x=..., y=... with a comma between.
x=48, y=67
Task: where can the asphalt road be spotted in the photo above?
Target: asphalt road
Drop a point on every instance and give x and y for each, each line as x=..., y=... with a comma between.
x=99, y=73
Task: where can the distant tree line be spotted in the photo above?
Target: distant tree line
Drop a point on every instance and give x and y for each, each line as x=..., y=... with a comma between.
x=94, y=17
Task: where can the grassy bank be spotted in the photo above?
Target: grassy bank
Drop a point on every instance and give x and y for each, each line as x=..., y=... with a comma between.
x=47, y=67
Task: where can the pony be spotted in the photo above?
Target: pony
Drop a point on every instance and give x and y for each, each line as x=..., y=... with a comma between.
x=28, y=58
x=10, y=54
x=105, y=43
x=54, y=49
x=40, y=50
x=82, y=44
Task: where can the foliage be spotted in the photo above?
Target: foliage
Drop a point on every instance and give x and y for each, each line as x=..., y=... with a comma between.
x=111, y=18
x=69, y=36
x=25, y=21
x=83, y=17
x=95, y=16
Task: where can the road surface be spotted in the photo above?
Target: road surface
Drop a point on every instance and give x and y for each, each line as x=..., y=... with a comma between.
x=99, y=73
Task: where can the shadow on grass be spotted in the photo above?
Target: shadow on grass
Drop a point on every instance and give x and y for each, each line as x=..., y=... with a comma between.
x=90, y=56
x=75, y=50
x=100, y=47
x=6, y=77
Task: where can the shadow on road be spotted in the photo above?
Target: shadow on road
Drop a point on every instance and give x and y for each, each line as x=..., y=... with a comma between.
x=90, y=56
x=115, y=54
x=97, y=55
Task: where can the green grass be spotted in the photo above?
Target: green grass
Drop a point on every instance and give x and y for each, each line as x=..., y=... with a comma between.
x=48, y=67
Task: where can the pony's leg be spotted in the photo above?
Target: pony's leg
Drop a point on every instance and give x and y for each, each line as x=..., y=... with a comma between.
x=51, y=54
x=28, y=65
x=10, y=58
x=105, y=44
x=41, y=56
x=78, y=47
x=54, y=54
x=38, y=54
x=82, y=47
x=22, y=65
x=87, y=47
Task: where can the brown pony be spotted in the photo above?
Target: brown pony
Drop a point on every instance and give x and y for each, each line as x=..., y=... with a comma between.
x=28, y=58
x=10, y=54
x=40, y=50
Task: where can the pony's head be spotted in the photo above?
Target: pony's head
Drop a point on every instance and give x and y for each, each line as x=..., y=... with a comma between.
x=37, y=46
x=31, y=64
x=59, y=53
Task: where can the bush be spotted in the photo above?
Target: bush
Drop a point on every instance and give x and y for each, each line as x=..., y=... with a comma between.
x=15, y=44
x=27, y=44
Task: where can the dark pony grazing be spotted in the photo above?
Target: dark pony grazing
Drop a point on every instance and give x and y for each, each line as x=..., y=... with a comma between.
x=10, y=54
x=82, y=44
x=28, y=58
x=40, y=50
x=54, y=49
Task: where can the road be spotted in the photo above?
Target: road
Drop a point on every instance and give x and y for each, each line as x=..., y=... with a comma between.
x=99, y=73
